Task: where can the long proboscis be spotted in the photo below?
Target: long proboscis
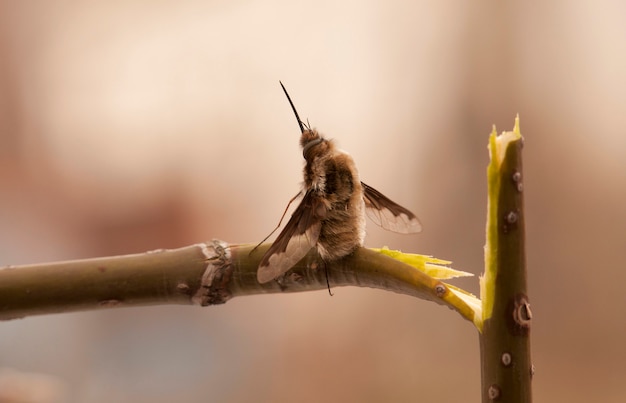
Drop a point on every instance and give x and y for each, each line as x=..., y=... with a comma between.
x=293, y=108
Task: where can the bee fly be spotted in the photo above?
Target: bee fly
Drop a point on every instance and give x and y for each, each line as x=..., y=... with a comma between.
x=331, y=215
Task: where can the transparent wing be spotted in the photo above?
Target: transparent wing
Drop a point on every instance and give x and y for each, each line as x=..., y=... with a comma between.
x=296, y=239
x=388, y=214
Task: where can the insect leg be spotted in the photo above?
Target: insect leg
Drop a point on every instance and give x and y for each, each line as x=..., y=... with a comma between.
x=279, y=222
x=327, y=282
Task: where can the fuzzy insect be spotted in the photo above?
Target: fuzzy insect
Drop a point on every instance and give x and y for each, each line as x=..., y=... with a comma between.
x=331, y=215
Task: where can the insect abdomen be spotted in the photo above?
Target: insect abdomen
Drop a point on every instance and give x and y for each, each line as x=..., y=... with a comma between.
x=343, y=230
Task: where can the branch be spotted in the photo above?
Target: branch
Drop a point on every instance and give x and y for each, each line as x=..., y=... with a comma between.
x=209, y=274
x=505, y=337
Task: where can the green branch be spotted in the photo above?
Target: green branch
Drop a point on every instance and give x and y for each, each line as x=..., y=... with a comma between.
x=505, y=334
x=214, y=272
x=209, y=274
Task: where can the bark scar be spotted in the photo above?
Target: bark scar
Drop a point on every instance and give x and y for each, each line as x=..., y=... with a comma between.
x=216, y=277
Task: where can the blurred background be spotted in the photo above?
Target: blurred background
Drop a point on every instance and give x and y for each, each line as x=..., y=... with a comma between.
x=137, y=125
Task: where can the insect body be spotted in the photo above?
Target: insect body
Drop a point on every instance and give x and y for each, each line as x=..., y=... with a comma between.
x=331, y=214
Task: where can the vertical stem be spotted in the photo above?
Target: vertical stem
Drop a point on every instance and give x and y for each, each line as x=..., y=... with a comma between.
x=505, y=338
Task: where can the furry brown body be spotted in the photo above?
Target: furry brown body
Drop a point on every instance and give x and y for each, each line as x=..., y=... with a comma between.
x=331, y=215
x=332, y=177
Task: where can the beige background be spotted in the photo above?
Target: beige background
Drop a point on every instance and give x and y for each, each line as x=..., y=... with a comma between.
x=129, y=126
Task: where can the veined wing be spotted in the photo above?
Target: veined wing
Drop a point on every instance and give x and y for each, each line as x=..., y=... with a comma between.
x=296, y=239
x=388, y=214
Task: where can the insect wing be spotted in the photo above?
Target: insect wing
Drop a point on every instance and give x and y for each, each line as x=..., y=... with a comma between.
x=296, y=239
x=388, y=214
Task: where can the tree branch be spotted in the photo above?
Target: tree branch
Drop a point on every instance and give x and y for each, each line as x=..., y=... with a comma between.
x=505, y=338
x=203, y=274
x=214, y=272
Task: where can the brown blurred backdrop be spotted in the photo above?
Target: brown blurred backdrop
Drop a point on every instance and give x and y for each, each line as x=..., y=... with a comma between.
x=129, y=126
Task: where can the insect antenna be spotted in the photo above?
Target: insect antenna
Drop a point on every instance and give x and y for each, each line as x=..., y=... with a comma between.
x=300, y=123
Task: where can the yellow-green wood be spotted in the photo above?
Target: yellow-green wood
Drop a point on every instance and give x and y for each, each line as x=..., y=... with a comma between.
x=505, y=336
